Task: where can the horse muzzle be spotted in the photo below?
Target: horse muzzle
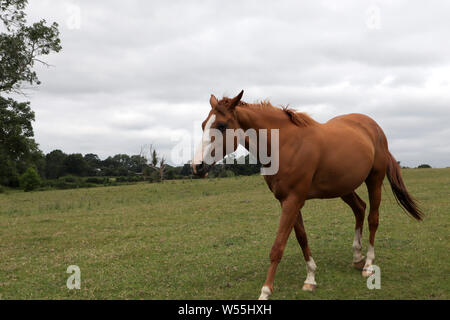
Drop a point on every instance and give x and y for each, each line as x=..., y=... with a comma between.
x=201, y=169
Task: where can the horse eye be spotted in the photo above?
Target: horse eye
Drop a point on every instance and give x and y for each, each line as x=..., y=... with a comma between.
x=222, y=127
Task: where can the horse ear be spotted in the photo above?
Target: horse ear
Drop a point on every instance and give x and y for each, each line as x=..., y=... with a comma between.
x=213, y=101
x=235, y=100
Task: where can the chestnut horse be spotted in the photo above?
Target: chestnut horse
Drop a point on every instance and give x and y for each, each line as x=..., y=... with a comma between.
x=316, y=160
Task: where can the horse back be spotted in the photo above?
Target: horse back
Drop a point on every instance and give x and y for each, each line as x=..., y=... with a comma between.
x=357, y=122
x=350, y=145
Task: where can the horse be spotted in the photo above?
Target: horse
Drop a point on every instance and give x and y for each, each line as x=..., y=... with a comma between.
x=316, y=160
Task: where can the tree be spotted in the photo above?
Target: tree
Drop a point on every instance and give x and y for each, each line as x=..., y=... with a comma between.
x=138, y=163
x=123, y=164
x=75, y=164
x=54, y=164
x=158, y=163
x=155, y=162
x=30, y=180
x=93, y=163
x=186, y=170
x=424, y=166
x=20, y=47
x=16, y=143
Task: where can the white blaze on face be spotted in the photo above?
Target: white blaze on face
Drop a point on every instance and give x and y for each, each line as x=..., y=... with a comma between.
x=204, y=146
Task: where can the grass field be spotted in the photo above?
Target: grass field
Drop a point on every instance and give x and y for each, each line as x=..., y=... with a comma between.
x=210, y=239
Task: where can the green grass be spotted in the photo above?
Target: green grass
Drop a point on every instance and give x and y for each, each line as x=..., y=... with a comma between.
x=210, y=239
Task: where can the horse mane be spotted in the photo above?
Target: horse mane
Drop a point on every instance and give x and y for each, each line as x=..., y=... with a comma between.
x=300, y=119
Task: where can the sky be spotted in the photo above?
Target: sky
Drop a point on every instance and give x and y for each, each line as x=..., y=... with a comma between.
x=137, y=73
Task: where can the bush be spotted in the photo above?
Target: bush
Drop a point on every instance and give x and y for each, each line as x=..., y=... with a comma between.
x=424, y=166
x=95, y=180
x=30, y=180
x=154, y=177
x=61, y=184
x=122, y=179
x=69, y=179
x=134, y=178
x=226, y=174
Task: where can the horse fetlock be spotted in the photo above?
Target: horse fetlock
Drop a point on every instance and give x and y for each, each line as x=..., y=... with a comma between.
x=358, y=257
x=310, y=282
x=265, y=293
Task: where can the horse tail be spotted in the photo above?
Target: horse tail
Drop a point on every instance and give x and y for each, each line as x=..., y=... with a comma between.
x=401, y=194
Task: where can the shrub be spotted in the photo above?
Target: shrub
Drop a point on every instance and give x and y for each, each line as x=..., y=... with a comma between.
x=66, y=182
x=88, y=185
x=95, y=180
x=60, y=184
x=154, y=177
x=121, y=179
x=69, y=179
x=226, y=174
x=135, y=178
x=30, y=180
x=424, y=166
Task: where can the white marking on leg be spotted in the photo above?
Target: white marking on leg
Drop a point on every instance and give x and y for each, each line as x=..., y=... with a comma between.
x=265, y=293
x=357, y=256
x=370, y=258
x=310, y=269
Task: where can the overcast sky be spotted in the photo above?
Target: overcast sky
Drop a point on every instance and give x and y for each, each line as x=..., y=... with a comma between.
x=138, y=74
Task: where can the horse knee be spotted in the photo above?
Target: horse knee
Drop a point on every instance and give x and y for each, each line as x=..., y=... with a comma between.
x=276, y=253
x=373, y=215
x=373, y=221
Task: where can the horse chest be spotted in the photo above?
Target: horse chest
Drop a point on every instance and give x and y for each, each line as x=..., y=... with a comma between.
x=281, y=188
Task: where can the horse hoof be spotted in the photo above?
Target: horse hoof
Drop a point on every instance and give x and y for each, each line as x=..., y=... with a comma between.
x=359, y=265
x=367, y=273
x=309, y=287
x=265, y=293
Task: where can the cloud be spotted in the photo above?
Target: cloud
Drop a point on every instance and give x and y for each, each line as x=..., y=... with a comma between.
x=136, y=73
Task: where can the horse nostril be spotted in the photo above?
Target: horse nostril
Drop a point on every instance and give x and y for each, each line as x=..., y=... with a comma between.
x=198, y=169
x=201, y=169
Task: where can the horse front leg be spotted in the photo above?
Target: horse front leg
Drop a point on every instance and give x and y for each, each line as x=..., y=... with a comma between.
x=289, y=212
x=310, y=282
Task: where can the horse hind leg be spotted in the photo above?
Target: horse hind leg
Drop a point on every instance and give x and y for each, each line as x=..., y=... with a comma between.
x=310, y=282
x=358, y=207
x=374, y=183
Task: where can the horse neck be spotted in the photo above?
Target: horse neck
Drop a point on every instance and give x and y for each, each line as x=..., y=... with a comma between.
x=257, y=118
x=254, y=117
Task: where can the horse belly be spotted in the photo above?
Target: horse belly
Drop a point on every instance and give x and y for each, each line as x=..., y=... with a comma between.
x=343, y=169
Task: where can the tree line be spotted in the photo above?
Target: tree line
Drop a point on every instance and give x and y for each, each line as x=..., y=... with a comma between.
x=57, y=169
